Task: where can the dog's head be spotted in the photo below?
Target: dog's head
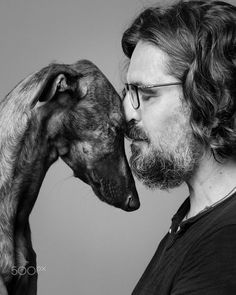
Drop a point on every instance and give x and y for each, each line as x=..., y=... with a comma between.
x=85, y=124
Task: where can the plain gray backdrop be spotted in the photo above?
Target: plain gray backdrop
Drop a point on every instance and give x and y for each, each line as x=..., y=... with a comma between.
x=83, y=246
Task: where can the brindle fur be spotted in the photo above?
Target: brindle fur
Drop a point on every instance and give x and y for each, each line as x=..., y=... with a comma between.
x=67, y=111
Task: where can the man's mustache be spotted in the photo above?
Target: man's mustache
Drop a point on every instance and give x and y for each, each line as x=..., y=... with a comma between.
x=133, y=132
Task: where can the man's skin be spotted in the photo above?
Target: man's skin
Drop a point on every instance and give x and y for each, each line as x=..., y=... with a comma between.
x=165, y=120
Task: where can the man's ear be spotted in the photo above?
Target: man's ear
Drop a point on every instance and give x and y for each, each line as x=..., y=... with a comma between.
x=59, y=78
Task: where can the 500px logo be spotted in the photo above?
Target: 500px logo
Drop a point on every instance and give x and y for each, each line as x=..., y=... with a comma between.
x=31, y=270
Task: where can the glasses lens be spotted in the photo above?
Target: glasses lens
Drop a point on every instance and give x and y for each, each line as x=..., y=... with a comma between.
x=134, y=96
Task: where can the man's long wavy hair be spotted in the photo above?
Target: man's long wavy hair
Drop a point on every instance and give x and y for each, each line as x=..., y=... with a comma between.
x=200, y=39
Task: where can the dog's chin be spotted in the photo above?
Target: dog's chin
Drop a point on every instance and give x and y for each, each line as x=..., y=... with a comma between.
x=96, y=185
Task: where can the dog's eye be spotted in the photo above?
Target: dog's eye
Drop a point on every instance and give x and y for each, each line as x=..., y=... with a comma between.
x=111, y=131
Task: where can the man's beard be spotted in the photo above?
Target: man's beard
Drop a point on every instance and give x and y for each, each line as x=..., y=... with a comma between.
x=164, y=165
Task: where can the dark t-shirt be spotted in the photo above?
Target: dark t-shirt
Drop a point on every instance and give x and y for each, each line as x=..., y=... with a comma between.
x=197, y=256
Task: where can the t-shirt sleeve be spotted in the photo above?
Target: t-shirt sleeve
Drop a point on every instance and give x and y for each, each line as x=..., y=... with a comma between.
x=210, y=266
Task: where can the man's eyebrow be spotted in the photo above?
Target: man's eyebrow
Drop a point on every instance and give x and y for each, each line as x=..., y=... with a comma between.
x=134, y=82
x=141, y=84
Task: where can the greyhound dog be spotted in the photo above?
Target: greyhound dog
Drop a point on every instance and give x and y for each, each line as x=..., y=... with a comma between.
x=67, y=111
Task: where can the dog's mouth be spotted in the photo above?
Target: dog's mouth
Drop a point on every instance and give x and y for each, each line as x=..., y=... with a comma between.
x=108, y=190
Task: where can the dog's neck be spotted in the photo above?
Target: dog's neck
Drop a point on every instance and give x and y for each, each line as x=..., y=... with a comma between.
x=24, y=163
x=25, y=159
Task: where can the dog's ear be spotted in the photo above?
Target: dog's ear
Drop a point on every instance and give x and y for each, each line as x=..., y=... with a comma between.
x=59, y=78
x=59, y=84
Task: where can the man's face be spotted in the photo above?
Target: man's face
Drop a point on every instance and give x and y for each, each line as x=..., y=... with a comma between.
x=164, y=150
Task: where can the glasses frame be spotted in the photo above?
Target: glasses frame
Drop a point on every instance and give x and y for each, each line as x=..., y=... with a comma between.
x=136, y=90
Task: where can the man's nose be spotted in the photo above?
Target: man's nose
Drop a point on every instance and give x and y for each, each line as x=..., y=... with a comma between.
x=130, y=112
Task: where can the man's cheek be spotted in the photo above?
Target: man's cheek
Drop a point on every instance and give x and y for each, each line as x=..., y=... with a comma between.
x=153, y=125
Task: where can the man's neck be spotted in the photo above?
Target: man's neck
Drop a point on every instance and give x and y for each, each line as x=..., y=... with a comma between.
x=211, y=182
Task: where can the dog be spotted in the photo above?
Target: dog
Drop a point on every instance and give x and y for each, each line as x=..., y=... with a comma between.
x=67, y=111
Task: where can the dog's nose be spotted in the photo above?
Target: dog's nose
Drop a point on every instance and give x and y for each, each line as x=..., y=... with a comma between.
x=132, y=203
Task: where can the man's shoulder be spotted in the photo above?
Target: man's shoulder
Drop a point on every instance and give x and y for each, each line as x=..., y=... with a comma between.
x=226, y=213
x=214, y=220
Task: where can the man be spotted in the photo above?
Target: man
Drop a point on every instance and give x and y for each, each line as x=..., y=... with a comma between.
x=180, y=105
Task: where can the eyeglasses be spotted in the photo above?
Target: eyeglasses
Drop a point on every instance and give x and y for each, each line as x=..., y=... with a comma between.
x=134, y=91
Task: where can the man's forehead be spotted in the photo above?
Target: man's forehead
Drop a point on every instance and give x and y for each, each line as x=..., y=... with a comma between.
x=148, y=65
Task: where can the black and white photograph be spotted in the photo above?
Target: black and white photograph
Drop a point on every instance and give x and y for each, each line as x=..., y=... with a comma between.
x=118, y=147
